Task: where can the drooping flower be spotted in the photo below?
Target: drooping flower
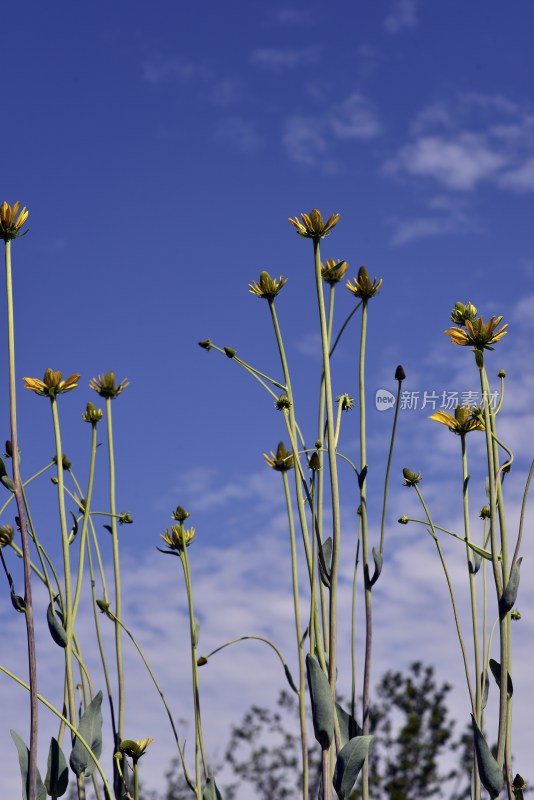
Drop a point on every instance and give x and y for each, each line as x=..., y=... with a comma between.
x=410, y=478
x=313, y=225
x=135, y=748
x=178, y=537
x=478, y=334
x=105, y=385
x=282, y=461
x=333, y=271
x=461, y=423
x=11, y=221
x=267, y=287
x=52, y=384
x=363, y=286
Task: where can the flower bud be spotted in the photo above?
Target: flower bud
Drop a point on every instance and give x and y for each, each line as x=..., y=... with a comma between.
x=6, y=535
x=400, y=374
x=315, y=462
x=229, y=352
x=410, y=478
x=206, y=344
x=403, y=520
x=180, y=515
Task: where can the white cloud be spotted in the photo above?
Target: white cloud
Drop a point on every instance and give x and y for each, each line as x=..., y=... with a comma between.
x=478, y=139
x=443, y=217
x=402, y=16
x=278, y=59
x=159, y=69
x=310, y=140
x=240, y=133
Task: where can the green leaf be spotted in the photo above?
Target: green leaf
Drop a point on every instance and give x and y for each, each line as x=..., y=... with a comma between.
x=379, y=563
x=18, y=602
x=290, y=680
x=488, y=769
x=510, y=593
x=90, y=727
x=325, y=562
x=210, y=790
x=486, y=688
x=348, y=727
x=321, y=703
x=24, y=758
x=57, y=631
x=349, y=763
x=8, y=483
x=496, y=672
x=57, y=776
x=74, y=531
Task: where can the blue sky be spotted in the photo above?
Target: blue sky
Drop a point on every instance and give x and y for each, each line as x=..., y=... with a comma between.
x=160, y=153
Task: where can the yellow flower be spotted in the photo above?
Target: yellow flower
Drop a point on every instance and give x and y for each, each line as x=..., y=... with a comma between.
x=313, y=226
x=363, y=286
x=105, y=385
x=6, y=535
x=280, y=462
x=267, y=287
x=460, y=313
x=92, y=414
x=463, y=421
x=10, y=223
x=333, y=271
x=478, y=334
x=135, y=748
x=51, y=385
x=178, y=536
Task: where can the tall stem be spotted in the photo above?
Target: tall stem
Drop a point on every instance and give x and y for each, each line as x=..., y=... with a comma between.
x=118, y=597
x=30, y=631
x=332, y=462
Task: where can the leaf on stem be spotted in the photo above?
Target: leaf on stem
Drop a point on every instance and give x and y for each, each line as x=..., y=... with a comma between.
x=496, y=672
x=24, y=758
x=90, y=727
x=210, y=790
x=57, y=631
x=488, y=769
x=57, y=776
x=348, y=727
x=325, y=562
x=510, y=593
x=378, y=558
x=349, y=762
x=321, y=703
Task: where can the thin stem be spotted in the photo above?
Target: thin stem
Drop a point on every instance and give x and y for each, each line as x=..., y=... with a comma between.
x=298, y=634
x=28, y=602
x=388, y=467
x=85, y=522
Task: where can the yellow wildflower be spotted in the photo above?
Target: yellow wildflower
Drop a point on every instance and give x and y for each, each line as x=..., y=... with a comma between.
x=333, y=271
x=52, y=384
x=463, y=421
x=135, y=748
x=313, y=226
x=105, y=385
x=363, y=286
x=478, y=334
x=10, y=223
x=267, y=287
x=178, y=536
x=280, y=462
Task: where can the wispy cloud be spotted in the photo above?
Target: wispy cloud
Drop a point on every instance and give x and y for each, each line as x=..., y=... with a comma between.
x=160, y=68
x=240, y=133
x=309, y=140
x=402, y=16
x=277, y=59
x=479, y=139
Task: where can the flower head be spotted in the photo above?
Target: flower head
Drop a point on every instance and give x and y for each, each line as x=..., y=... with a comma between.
x=52, y=384
x=345, y=402
x=267, y=287
x=280, y=462
x=10, y=223
x=282, y=403
x=178, y=537
x=461, y=313
x=313, y=225
x=463, y=421
x=134, y=748
x=6, y=535
x=363, y=286
x=180, y=514
x=106, y=387
x=478, y=334
x=410, y=478
x=333, y=271
x=92, y=414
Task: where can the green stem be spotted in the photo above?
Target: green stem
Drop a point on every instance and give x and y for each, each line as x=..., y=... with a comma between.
x=83, y=535
x=298, y=633
x=67, y=606
x=199, y=739
x=117, y=577
x=388, y=467
x=453, y=601
x=30, y=630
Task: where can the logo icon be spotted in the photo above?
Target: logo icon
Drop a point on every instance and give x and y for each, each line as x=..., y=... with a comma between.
x=384, y=400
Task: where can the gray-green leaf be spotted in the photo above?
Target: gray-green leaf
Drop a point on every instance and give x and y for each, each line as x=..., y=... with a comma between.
x=488, y=769
x=90, y=728
x=348, y=727
x=24, y=758
x=57, y=776
x=325, y=562
x=57, y=631
x=379, y=563
x=349, y=763
x=496, y=672
x=510, y=593
x=210, y=790
x=321, y=703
